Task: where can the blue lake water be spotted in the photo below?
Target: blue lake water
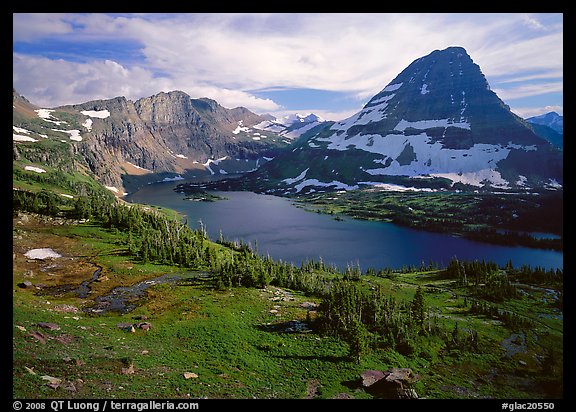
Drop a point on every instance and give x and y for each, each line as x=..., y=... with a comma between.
x=278, y=228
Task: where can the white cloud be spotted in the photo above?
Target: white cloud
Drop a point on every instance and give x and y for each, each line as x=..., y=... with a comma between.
x=525, y=90
x=33, y=26
x=223, y=55
x=526, y=112
x=72, y=82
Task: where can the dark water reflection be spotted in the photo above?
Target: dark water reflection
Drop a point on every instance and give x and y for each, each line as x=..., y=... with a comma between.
x=286, y=232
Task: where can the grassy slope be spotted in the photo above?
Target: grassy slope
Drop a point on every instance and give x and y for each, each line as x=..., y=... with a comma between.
x=223, y=336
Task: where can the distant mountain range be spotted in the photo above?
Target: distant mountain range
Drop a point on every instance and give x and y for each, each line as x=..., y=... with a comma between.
x=291, y=126
x=550, y=126
x=436, y=125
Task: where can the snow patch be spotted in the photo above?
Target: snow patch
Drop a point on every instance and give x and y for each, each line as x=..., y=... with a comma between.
x=301, y=176
x=88, y=124
x=317, y=183
x=240, y=128
x=521, y=180
x=476, y=178
x=45, y=115
x=43, y=253
x=21, y=138
x=427, y=124
x=392, y=87
x=553, y=183
x=35, y=169
x=424, y=89
x=216, y=162
x=20, y=130
x=372, y=113
x=137, y=167
x=100, y=114
x=172, y=179
x=74, y=134
x=396, y=188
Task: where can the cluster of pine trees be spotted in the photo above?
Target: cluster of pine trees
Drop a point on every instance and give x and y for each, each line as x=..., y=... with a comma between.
x=510, y=319
x=483, y=279
x=371, y=317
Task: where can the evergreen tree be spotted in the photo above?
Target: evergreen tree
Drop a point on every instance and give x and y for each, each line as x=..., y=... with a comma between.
x=418, y=308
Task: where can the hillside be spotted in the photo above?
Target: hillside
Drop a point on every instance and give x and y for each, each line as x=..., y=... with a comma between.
x=126, y=144
x=100, y=319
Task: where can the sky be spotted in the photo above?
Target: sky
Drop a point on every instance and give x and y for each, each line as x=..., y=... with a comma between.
x=329, y=64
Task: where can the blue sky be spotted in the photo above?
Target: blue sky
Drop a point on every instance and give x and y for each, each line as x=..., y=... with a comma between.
x=330, y=64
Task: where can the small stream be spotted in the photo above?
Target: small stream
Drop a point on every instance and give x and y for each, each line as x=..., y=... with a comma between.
x=81, y=290
x=121, y=299
x=124, y=299
x=84, y=289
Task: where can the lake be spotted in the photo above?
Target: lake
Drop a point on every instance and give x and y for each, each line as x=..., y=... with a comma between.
x=277, y=227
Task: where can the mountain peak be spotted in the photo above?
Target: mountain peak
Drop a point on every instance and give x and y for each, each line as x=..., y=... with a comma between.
x=551, y=119
x=437, y=120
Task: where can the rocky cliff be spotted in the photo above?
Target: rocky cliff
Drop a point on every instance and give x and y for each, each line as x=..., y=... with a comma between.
x=168, y=135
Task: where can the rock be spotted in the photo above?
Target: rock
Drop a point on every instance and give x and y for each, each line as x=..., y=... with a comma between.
x=65, y=339
x=66, y=309
x=47, y=325
x=391, y=384
x=370, y=377
x=39, y=336
x=342, y=395
x=126, y=327
x=52, y=381
x=30, y=370
x=25, y=285
x=309, y=305
x=143, y=325
x=73, y=386
x=189, y=375
x=129, y=370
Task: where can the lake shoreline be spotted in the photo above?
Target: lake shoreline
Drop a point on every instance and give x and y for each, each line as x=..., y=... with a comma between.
x=289, y=233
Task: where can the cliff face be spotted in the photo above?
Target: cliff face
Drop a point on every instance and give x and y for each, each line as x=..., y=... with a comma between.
x=161, y=134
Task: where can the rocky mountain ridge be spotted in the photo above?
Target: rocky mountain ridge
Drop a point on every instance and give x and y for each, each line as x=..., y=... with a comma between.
x=165, y=136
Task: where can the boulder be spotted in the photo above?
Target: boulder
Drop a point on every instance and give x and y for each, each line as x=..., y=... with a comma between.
x=26, y=285
x=126, y=327
x=39, y=336
x=393, y=383
x=143, y=325
x=48, y=325
x=370, y=377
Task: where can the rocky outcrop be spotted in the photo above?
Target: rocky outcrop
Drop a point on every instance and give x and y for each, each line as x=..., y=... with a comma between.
x=395, y=383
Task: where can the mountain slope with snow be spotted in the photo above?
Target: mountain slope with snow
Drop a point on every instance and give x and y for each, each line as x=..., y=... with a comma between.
x=437, y=123
x=165, y=136
x=291, y=127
